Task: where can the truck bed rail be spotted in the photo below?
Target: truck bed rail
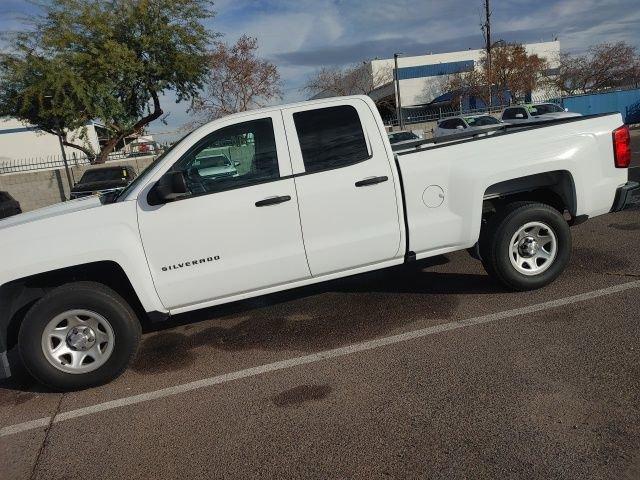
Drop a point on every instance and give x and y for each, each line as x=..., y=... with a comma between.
x=503, y=129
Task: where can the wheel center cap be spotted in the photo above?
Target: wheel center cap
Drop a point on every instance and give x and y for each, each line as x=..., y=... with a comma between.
x=528, y=247
x=81, y=338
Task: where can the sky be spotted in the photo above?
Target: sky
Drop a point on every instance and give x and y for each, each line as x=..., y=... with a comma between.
x=300, y=36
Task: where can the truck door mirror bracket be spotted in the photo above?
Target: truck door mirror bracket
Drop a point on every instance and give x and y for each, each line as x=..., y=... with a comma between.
x=171, y=186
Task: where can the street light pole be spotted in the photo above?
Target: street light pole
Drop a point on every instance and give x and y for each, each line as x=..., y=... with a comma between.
x=397, y=89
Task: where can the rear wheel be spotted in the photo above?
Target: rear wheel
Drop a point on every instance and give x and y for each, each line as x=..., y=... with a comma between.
x=526, y=246
x=79, y=335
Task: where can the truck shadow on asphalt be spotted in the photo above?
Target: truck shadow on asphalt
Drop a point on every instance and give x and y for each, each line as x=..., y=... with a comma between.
x=313, y=318
x=306, y=319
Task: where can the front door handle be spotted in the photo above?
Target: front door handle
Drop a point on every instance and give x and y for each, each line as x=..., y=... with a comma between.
x=371, y=181
x=272, y=201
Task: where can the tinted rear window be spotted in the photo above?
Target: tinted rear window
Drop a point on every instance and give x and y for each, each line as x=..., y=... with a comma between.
x=104, y=174
x=545, y=108
x=511, y=113
x=330, y=138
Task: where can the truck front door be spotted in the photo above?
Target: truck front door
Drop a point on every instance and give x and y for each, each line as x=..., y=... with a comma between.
x=238, y=230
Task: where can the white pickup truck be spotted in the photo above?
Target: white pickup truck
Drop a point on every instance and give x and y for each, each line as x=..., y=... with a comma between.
x=317, y=193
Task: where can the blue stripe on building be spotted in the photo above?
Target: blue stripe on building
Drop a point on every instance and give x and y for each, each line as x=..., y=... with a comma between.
x=19, y=130
x=434, y=70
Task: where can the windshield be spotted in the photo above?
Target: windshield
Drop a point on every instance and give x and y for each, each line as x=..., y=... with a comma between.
x=482, y=121
x=208, y=161
x=104, y=175
x=545, y=108
x=402, y=136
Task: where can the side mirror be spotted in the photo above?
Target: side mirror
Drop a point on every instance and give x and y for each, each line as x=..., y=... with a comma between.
x=459, y=127
x=519, y=115
x=566, y=109
x=236, y=164
x=171, y=186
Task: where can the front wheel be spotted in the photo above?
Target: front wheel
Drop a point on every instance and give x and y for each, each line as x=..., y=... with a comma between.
x=79, y=335
x=526, y=246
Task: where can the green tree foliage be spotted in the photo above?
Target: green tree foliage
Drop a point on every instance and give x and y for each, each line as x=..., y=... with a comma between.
x=44, y=92
x=109, y=60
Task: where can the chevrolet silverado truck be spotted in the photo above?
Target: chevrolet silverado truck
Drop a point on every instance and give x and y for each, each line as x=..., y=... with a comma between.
x=319, y=193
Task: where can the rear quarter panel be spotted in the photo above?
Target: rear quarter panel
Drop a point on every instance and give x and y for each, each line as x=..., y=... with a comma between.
x=465, y=170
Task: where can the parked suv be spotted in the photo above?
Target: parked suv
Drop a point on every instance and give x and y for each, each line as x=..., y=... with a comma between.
x=535, y=113
x=103, y=180
x=8, y=205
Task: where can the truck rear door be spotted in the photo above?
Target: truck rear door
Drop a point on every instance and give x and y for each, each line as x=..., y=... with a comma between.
x=345, y=186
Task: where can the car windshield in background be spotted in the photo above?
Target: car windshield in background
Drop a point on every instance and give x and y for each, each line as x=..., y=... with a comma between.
x=212, y=161
x=402, y=136
x=482, y=121
x=542, y=109
x=103, y=175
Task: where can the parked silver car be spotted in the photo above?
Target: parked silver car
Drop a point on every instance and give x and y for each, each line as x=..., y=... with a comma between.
x=210, y=163
x=536, y=112
x=465, y=123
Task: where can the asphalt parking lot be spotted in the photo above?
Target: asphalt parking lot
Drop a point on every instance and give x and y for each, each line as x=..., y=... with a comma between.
x=425, y=371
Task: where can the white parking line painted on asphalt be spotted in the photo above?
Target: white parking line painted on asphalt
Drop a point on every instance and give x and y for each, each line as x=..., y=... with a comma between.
x=313, y=358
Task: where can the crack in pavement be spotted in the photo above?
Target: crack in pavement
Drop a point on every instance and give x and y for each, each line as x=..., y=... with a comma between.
x=623, y=274
x=46, y=437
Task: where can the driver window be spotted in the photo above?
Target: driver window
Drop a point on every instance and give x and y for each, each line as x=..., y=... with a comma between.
x=234, y=156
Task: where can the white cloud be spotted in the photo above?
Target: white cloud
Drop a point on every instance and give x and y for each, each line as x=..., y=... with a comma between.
x=300, y=35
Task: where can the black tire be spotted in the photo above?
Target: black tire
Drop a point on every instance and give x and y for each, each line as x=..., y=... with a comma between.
x=79, y=295
x=496, y=237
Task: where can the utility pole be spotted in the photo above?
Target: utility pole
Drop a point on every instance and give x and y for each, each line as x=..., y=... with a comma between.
x=64, y=154
x=66, y=164
x=486, y=30
x=397, y=88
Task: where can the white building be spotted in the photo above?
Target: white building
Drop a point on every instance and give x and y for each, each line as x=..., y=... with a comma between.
x=19, y=141
x=421, y=76
x=22, y=143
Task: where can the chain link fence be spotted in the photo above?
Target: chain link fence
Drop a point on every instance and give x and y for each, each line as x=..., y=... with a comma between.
x=428, y=113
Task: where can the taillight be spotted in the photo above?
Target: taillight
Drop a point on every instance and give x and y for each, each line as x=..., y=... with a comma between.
x=622, y=147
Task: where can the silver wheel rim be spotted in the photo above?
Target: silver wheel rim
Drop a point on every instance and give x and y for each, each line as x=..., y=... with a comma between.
x=78, y=341
x=533, y=248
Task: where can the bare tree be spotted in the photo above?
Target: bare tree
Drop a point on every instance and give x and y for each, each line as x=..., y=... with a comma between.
x=239, y=81
x=356, y=79
x=603, y=66
x=473, y=83
x=512, y=70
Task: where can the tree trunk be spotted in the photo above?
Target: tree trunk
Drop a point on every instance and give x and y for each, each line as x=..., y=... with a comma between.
x=107, y=149
x=90, y=155
x=140, y=124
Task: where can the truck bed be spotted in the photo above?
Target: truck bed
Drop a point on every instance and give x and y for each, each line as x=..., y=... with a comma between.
x=445, y=180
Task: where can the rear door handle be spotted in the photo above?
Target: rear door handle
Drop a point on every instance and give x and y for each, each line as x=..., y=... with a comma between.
x=371, y=181
x=272, y=201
